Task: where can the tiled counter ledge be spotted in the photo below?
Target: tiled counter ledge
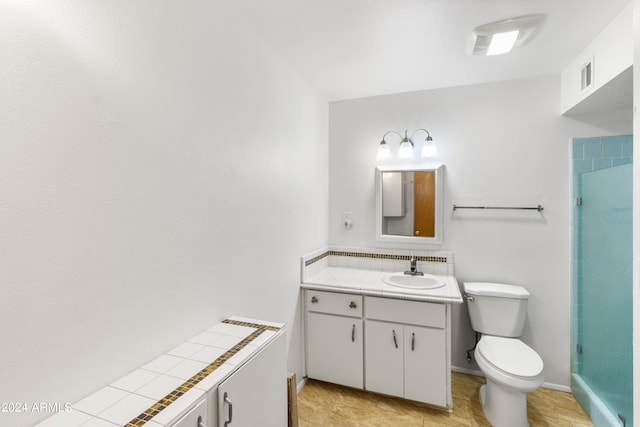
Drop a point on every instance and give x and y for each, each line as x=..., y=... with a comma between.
x=158, y=393
x=370, y=282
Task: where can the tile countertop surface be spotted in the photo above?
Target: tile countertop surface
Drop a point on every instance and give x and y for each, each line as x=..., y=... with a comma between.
x=369, y=282
x=217, y=351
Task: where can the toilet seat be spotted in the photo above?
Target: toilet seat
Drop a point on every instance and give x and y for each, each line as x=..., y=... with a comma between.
x=511, y=357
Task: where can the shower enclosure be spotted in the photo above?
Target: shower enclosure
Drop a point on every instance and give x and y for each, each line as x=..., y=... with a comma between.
x=602, y=365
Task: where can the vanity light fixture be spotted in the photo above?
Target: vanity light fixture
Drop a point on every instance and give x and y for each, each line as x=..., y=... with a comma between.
x=406, y=148
x=500, y=37
x=405, y=151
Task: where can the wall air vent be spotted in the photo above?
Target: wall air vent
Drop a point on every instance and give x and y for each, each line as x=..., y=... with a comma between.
x=586, y=76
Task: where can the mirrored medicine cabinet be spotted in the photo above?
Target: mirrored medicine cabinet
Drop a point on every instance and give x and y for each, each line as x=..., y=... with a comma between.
x=409, y=203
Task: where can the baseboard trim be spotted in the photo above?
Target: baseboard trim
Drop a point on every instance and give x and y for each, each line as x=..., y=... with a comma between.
x=478, y=373
x=558, y=387
x=467, y=371
x=301, y=383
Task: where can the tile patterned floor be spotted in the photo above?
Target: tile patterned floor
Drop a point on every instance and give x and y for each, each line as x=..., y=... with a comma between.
x=322, y=404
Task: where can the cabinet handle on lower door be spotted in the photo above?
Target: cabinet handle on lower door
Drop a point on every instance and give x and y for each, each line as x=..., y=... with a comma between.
x=353, y=333
x=314, y=300
x=228, y=402
x=395, y=340
x=413, y=341
x=200, y=423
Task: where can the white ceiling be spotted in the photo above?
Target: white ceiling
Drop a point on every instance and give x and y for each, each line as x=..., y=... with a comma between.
x=358, y=48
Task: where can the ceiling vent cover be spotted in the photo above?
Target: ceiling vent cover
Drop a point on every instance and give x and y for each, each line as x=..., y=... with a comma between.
x=501, y=36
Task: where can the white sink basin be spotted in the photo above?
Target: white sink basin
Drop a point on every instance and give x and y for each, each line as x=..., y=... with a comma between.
x=402, y=280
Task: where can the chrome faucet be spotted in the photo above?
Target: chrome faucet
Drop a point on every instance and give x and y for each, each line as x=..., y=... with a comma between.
x=413, y=269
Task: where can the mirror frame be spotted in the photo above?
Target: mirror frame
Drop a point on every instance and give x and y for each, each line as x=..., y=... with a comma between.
x=438, y=238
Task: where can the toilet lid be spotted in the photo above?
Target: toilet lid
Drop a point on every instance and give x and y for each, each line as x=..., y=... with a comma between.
x=511, y=356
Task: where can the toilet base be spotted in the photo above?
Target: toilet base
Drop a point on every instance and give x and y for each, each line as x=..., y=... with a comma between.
x=502, y=407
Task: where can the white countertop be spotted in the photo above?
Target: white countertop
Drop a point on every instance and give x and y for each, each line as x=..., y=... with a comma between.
x=369, y=282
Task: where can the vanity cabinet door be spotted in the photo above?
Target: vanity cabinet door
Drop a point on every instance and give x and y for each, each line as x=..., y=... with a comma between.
x=415, y=369
x=425, y=365
x=197, y=417
x=384, y=347
x=334, y=349
x=256, y=393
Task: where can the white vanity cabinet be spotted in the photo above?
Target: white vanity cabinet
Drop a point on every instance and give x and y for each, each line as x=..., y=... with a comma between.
x=406, y=349
x=256, y=393
x=196, y=417
x=334, y=337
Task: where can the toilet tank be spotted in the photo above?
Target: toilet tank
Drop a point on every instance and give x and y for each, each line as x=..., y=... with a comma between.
x=496, y=308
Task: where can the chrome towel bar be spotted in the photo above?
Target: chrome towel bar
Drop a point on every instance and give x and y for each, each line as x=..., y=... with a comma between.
x=538, y=208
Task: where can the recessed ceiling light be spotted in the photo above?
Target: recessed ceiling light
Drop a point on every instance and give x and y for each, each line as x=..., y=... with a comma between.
x=500, y=37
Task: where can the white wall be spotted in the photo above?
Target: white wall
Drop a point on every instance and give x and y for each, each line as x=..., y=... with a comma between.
x=160, y=168
x=503, y=144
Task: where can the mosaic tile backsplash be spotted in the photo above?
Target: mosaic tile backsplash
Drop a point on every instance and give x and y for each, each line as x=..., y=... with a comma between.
x=431, y=262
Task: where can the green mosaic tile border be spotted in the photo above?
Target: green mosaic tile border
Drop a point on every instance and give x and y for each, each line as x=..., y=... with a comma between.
x=313, y=260
x=160, y=405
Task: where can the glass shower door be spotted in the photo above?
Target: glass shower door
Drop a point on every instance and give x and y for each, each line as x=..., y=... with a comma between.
x=605, y=287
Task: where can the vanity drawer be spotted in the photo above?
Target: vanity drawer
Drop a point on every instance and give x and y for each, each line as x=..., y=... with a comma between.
x=333, y=303
x=410, y=312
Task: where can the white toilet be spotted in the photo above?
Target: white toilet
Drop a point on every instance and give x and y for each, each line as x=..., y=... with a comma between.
x=512, y=368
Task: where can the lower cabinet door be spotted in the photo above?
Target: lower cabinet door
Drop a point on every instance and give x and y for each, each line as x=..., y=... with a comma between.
x=197, y=417
x=425, y=365
x=334, y=349
x=384, y=367
x=256, y=394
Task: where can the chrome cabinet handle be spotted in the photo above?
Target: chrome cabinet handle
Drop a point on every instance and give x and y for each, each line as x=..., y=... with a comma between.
x=395, y=340
x=200, y=423
x=353, y=305
x=314, y=300
x=353, y=333
x=228, y=402
x=413, y=341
